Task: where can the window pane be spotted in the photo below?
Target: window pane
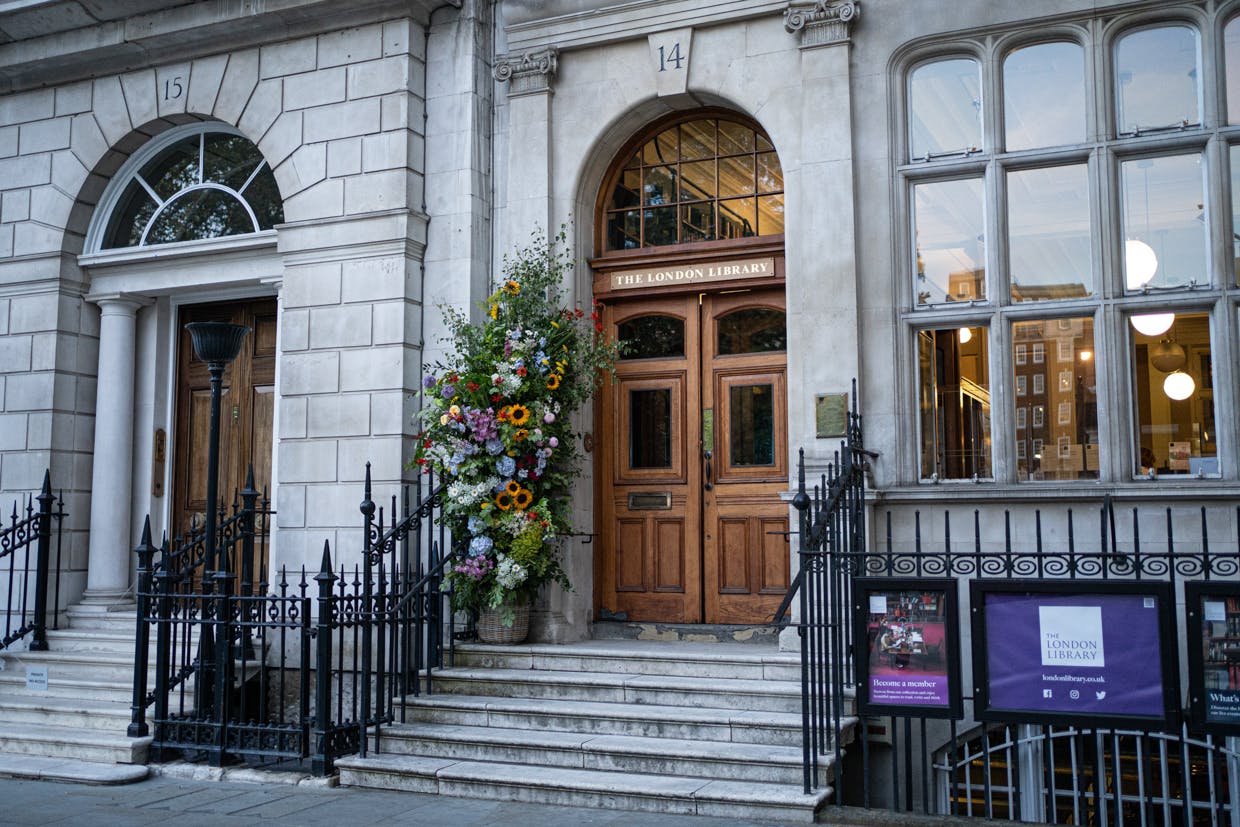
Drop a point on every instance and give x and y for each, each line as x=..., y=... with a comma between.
x=1164, y=225
x=1044, y=96
x=660, y=226
x=736, y=176
x=650, y=428
x=263, y=196
x=954, y=396
x=1048, y=233
x=770, y=214
x=660, y=186
x=205, y=213
x=174, y=169
x=751, y=434
x=697, y=181
x=662, y=150
x=697, y=221
x=950, y=232
x=1173, y=384
x=945, y=107
x=697, y=140
x=1157, y=72
x=1235, y=211
x=624, y=230
x=1057, y=421
x=229, y=160
x=129, y=218
x=755, y=330
x=628, y=189
x=770, y=175
x=1231, y=54
x=652, y=337
x=737, y=218
x=735, y=138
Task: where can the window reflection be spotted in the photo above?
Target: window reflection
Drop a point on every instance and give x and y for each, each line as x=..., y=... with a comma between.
x=950, y=236
x=1044, y=96
x=945, y=108
x=1048, y=233
x=954, y=394
x=755, y=330
x=1156, y=73
x=1173, y=383
x=652, y=337
x=650, y=428
x=1056, y=422
x=751, y=435
x=701, y=180
x=1231, y=56
x=1235, y=211
x=1164, y=222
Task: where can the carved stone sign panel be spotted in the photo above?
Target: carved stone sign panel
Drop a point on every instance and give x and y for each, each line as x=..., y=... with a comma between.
x=668, y=276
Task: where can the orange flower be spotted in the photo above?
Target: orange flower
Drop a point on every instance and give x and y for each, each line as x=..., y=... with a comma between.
x=503, y=501
x=513, y=487
x=522, y=499
x=518, y=415
x=512, y=288
x=553, y=382
x=520, y=434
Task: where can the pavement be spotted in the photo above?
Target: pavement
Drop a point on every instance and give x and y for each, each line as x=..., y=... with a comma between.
x=194, y=796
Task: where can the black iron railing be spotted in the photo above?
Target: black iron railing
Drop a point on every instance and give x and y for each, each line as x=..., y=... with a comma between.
x=301, y=667
x=26, y=559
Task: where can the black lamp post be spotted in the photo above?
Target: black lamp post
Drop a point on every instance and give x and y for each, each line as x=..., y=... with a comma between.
x=217, y=344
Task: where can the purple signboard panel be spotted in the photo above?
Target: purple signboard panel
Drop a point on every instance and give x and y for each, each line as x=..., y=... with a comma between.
x=1082, y=654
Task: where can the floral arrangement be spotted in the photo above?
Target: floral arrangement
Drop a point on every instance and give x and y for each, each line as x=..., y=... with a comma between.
x=495, y=420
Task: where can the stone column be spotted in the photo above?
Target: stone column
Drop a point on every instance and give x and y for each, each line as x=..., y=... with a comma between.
x=109, y=566
x=529, y=79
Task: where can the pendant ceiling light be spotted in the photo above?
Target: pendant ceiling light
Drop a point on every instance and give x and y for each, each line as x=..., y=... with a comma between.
x=1140, y=264
x=1179, y=385
x=1168, y=356
x=1153, y=324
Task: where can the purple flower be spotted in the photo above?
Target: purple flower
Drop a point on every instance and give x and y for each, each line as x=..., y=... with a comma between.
x=428, y=381
x=448, y=391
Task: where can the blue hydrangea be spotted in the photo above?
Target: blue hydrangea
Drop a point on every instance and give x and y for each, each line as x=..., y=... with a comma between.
x=476, y=525
x=480, y=545
x=506, y=465
x=494, y=447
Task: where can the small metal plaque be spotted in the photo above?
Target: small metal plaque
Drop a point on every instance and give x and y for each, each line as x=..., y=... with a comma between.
x=650, y=501
x=831, y=415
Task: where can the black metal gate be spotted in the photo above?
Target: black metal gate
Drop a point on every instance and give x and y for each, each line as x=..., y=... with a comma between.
x=299, y=666
x=1041, y=772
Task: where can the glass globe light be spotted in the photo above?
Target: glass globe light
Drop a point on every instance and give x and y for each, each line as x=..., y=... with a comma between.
x=1140, y=264
x=1179, y=385
x=966, y=335
x=1153, y=324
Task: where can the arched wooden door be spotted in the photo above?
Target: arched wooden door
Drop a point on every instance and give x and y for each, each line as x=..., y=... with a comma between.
x=692, y=458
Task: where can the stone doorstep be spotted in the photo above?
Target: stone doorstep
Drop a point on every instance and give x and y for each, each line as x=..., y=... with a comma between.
x=72, y=742
x=40, y=768
x=592, y=788
x=751, y=635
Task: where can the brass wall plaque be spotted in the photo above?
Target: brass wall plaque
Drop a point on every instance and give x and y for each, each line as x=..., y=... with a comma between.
x=831, y=414
x=650, y=501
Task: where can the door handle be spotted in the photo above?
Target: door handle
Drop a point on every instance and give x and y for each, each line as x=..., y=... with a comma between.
x=707, y=456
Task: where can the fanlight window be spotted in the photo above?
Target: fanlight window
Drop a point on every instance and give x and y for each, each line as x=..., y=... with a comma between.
x=208, y=185
x=702, y=180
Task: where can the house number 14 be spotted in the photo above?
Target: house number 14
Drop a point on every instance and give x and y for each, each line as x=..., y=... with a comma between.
x=670, y=57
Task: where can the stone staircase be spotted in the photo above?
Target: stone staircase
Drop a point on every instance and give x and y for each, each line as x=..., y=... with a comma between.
x=671, y=727
x=84, y=711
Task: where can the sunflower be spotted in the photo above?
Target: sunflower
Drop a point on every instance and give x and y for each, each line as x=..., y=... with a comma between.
x=513, y=487
x=511, y=287
x=503, y=501
x=553, y=381
x=522, y=499
x=518, y=415
x=494, y=311
x=520, y=434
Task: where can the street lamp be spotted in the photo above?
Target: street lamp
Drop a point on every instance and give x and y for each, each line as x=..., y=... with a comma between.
x=217, y=344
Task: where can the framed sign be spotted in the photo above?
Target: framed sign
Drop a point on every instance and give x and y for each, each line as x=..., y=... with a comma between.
x=1213, y=609
x=906, y=640
x=1084, y=652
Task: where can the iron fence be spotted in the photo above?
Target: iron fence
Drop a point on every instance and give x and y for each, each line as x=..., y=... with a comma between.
x=1061, y=772
x=303, y=666
x=26, y=558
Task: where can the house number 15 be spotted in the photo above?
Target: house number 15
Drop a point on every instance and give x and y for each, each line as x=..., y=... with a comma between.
x=173, y=88
x=671, y=58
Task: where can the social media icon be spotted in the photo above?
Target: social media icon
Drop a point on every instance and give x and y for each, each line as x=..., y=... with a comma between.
x=1048, y=693
x=1074, y=694
x=1101, y=694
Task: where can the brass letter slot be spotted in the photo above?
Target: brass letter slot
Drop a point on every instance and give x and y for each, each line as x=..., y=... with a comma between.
x=650, y=501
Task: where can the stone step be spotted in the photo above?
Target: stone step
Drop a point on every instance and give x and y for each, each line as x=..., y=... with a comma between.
x=72, y=742
x=765, y=635
x=119, y=621
x=100, y=667
x=576, y=716
x=614, y=753
x=665, y=690
x=639, y=657
x=41, y=709
x=13, y=684
x=583, y=788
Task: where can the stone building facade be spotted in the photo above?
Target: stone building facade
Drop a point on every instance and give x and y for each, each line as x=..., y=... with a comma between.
x=913, y=178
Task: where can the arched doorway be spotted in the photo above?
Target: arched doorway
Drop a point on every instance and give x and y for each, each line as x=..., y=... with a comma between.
x=692, y=436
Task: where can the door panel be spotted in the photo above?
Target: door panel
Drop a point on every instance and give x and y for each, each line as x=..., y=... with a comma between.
x=247, y=408
x=692, y=530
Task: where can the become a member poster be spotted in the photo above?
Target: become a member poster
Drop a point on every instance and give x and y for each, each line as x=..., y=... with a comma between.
x=1057, y=651
x=1213, y=610
x=907, y=641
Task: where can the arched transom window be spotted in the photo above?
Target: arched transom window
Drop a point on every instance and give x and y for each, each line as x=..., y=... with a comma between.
x=700, y=180
x=207, y=184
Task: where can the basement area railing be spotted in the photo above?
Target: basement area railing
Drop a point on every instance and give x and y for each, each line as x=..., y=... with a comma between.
x=28, y=568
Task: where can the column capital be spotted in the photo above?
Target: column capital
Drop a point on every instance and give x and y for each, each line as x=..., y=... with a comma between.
x=530, y=73
x=822, y=22
x=114, y=303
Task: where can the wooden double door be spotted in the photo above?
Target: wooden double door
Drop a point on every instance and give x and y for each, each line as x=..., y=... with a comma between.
x=692, y=459
x=247, y=406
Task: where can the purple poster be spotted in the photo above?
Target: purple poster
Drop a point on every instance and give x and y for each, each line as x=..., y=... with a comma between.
x=907, y=656
x=1084, y=654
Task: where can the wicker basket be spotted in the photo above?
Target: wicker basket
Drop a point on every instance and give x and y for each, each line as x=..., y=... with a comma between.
x=491, y=629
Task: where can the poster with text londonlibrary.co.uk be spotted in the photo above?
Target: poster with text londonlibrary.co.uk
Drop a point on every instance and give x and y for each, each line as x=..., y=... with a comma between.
x=1073, y=652
x=907, y=646
x=1213, y=613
